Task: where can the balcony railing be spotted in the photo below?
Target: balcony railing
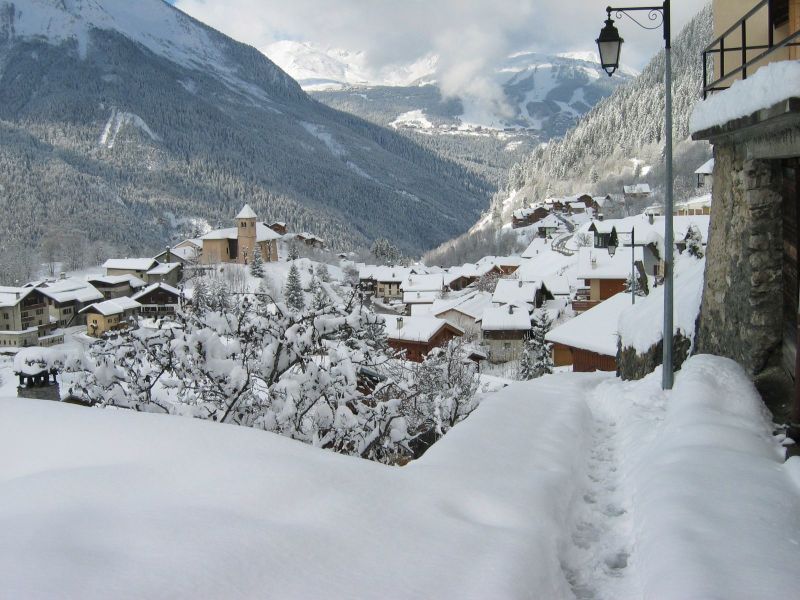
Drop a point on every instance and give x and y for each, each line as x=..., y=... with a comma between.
x=745, y=61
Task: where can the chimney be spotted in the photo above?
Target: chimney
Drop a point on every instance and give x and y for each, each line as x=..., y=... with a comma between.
x=520, y=284
x=651, y=218
x=511, y=309
x=399, y=322
x=62, y=275
x=167, y=256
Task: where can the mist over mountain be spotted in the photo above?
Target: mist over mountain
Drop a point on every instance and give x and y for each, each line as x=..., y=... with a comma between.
x=126, y=122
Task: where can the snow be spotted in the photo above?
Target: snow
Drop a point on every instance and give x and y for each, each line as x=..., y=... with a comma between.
x=707, y=168
x=263, y=234
x=642, y=326
x=71, y=290
x=131, y=280
x=415, y=119
x=117, y=121
x=637, y=188
x=112, y=307
x=471, y=305
x=420, y=297
x=506, y=318
x=433, y=282
x=246, y=213
x=130, y=264
x=594, y=330
x=323, y=135
x=769, y=85
x=518, y=292
x=596, y=263
x=156, y=286
x=415, y=328
x=10, y=296
x=34, y=360
x=163, y=269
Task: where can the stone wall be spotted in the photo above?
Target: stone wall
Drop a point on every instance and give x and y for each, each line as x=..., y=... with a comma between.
x=741, y=313
x=635, y=366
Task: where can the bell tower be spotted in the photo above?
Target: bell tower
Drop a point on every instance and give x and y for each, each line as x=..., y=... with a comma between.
x=246, y=226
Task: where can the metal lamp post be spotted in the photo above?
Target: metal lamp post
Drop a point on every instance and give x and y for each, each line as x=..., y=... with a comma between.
x=609, y=45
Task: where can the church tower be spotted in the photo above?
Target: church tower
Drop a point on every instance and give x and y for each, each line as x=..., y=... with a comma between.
x=246, y=225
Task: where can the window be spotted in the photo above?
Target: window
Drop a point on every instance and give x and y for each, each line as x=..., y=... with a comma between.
x=780, y=12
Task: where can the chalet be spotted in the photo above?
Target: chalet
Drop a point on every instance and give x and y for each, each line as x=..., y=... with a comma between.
x=309, y=239
x=158, y=299
x=749, y=310
x=464, y=312
x=705, y=175
x=66, y=298
x=137, y=267
x=504, y=330
x=555, y=204
x=187, y=253
x=383, y=282
x=110, y=315
x=457, y=278
x=701, y=205
x=604, y=275
x=418, y=335
x=278, y=227
x=525, y=217
x=530, y=294
x=589, y=341
x=237, y=244
x=421, y=290
x=603, y=233
x=548, y=226
x=25, y=318
x=576, y=208
x=637, y=191
x=116, y=286
x=170, y=273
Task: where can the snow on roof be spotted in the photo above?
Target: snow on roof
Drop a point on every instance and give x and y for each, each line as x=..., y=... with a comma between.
x=112, y=307
x=263, y=234
x=546, y=264
x=246, y=213
x=594, y=330
x=130, y=264
x=637, y=188
x=420, y=297
x=550, y=221
x=415, y=328
x=163, y=268
x=433, y=282
x=558, y=285
x=579, y=205
x=515, y=291
x=131, y=280
x=471, y=305
x=505, y=318
x=384, y=274
x=34, y=360
x=703, y=201
x=155, y=286
x=647, y=232
x=72, y=290
x=277, y=224
x=535, y=248
x=707, y=168
x=596, y=263
x=184, y=252
x=10, y=296
x=769, y=85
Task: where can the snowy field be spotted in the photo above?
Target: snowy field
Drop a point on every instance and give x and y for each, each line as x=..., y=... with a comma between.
x=570, y=485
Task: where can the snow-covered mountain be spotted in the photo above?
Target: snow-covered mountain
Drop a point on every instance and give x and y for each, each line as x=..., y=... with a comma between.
x=114, y=114
x=544, y=94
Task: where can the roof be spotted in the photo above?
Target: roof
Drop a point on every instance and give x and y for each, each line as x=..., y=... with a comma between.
x=72, y=290
x=384, y=274
x=112, y=307
x=515, y=291
x=246, y=213
x=505, y=318
x=263, y=234
x=163, y=268
x=594, y=330
x=707, y=168
x=34, y=360
x=637, y=188
x=550, y=221
x=596, y=263
x=558, y=285
x=156, y=286
x=433, y=282
x=579, y=205
x=184, y=252
x=416, y=328
x=130, y=264
x=420, y=297
x=10, y=296
x=471, y=305
x=131, y=280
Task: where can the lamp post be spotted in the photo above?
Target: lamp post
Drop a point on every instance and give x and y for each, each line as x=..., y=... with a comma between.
x=609, y=45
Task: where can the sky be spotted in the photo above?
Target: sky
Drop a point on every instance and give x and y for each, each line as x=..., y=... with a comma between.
x=469, y=36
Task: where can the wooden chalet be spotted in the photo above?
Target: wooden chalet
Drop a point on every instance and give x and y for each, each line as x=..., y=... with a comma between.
x=418, y=335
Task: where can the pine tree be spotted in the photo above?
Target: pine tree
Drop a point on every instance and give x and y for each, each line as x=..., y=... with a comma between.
x=294, y=253
x=694, y=242
x=294, y=290
x=220, y=299
x=257, y=266
x=322, y=272
x=536, y=358
x=200, y=295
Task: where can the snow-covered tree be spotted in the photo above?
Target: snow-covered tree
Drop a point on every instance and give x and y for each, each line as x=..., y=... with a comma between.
x=200, y=296
x=219, y=295
x=694, y=242
x=488, y=281
x=257, y=265
x=385, y=252
x=293, y=292
x=294, y=251
x=537, y=359
x=322, y=272
x=634, y=284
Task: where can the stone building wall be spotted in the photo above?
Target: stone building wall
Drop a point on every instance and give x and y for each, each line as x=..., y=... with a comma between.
x=741, y=313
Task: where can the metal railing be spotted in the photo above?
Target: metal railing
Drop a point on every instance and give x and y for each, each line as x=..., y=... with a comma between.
x=718, y=49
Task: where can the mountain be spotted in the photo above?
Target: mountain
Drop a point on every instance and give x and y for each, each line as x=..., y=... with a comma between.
x=126, y=121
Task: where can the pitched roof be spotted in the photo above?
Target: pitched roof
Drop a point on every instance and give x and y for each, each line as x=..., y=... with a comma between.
x=415, y=328
x=594, y=330
x=471, y=305
x=433, y=282
x=163, y=268
x=71, y=290
x=707, y=168
x=637, y=188
x=505, y=318
x=130, y=264
x=131, y=280
x=420, y=297
x=596, y=263
x=112, y=307
x=246, y=213
x=263, y=234
x=10, y=296
x=156, y=286
x=515, y=291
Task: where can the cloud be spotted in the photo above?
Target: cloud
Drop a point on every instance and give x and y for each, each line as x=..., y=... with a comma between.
x=469, y=36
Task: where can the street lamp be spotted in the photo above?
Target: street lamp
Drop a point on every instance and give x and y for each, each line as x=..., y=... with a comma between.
x=609, y=45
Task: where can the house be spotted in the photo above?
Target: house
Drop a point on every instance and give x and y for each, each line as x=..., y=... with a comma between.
x=110, y=315
x=187, y=253
x=504, y=330
x=525, y=217
x=576, y=208
x=237, y=244
x=604, y=275
x=66, y=298
x=116, y=286
x=421, y=290
x=749, y=308
x=705, y=174
x=170, y=273
x=457, y=278
x=548, y=226
x=309, y=239
x=530, y=294
x=418, y=335
x=388, y=282
x=701, y=205
x=464, y=312
x=589, y=341
x=278, y=227
x=130, y=266
x=158, y=299
x=637, y=191
x=25, y=319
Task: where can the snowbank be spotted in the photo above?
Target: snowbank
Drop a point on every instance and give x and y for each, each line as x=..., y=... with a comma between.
x=100, y=503
x=771, y=84
x=641, y=326
x=714, y=512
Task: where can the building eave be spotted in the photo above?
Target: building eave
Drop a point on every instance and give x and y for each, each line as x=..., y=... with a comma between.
x=779, y=117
